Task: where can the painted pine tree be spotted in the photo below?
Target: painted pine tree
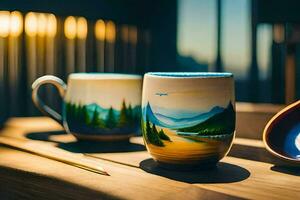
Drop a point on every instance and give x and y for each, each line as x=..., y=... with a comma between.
x=68, y=110
x=96, y=121
x=137, y=113
x=123, y=119
x=130, y=114
x=152, y=134
x=111, y=119
x=86, y=116
x=71, y=112
x=148, y=128
x=79, y=114
x=154, y=130
x=143, y=127
x=163, y=136
x=74, y=112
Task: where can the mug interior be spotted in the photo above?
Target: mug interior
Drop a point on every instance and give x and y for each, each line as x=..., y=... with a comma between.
x=191, y=74
x=101, y=76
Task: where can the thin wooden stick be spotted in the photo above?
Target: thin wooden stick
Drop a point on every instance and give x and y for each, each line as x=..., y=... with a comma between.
x=47, y=151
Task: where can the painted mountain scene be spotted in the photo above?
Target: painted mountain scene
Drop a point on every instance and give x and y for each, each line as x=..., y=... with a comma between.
x=94, y=119
x=207, y=134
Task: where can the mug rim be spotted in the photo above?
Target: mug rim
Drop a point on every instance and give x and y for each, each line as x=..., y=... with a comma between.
x=103, y=76
x=190, y=74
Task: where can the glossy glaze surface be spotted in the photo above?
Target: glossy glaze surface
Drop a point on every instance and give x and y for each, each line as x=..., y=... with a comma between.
x=102, y=106
x=282, y=134
x=188, y=121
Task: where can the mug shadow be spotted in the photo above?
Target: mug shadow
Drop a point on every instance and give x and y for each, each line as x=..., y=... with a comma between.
x=87, y=146
x=222, y=173
x=286, y=170
x=262, y=155
x=44, y=136
x=101, y=147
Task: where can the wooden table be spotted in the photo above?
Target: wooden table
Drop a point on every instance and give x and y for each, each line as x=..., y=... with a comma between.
x=248, y=172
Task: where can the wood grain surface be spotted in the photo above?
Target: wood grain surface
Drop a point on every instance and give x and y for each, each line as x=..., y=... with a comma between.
x=248, y=172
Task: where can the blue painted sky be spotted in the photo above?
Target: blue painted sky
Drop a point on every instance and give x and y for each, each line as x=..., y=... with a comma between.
x=197, y=34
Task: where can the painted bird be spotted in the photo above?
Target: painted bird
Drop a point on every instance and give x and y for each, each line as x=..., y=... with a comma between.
x=161, y=94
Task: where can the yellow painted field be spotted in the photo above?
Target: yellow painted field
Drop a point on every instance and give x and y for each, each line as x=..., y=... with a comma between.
x=181, y=150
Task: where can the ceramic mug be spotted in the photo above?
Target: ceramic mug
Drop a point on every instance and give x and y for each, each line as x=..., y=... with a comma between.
x=188, y=119
x=96, y=106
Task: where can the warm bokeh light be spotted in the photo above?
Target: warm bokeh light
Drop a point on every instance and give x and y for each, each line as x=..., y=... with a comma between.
x=278, y=33
x=100, y=29
x=31, y=24
x=70, y=27
x=16, y=23
x=82, y=28
x=110, y=31
x=4, y=23
x=42, y=24
x=51, y=25
x=133, y=35
x=124, y=33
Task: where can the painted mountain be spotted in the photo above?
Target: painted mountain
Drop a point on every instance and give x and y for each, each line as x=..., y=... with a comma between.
x=93, y=119
x=151, y=116
x=177, y=123
x=103, y=112
x=219, y=124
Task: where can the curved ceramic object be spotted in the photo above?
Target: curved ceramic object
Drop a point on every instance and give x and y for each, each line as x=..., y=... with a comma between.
x=188, y=119
x=282, y=134
x=97, y=106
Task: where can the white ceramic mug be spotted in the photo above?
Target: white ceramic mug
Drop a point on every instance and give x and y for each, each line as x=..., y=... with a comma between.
x=188, y=119
x=96, y=106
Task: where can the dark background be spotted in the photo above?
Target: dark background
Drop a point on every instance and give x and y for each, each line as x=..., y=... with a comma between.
x=156, y=48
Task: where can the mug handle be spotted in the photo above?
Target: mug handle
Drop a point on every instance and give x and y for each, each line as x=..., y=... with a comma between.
x=46, y=110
